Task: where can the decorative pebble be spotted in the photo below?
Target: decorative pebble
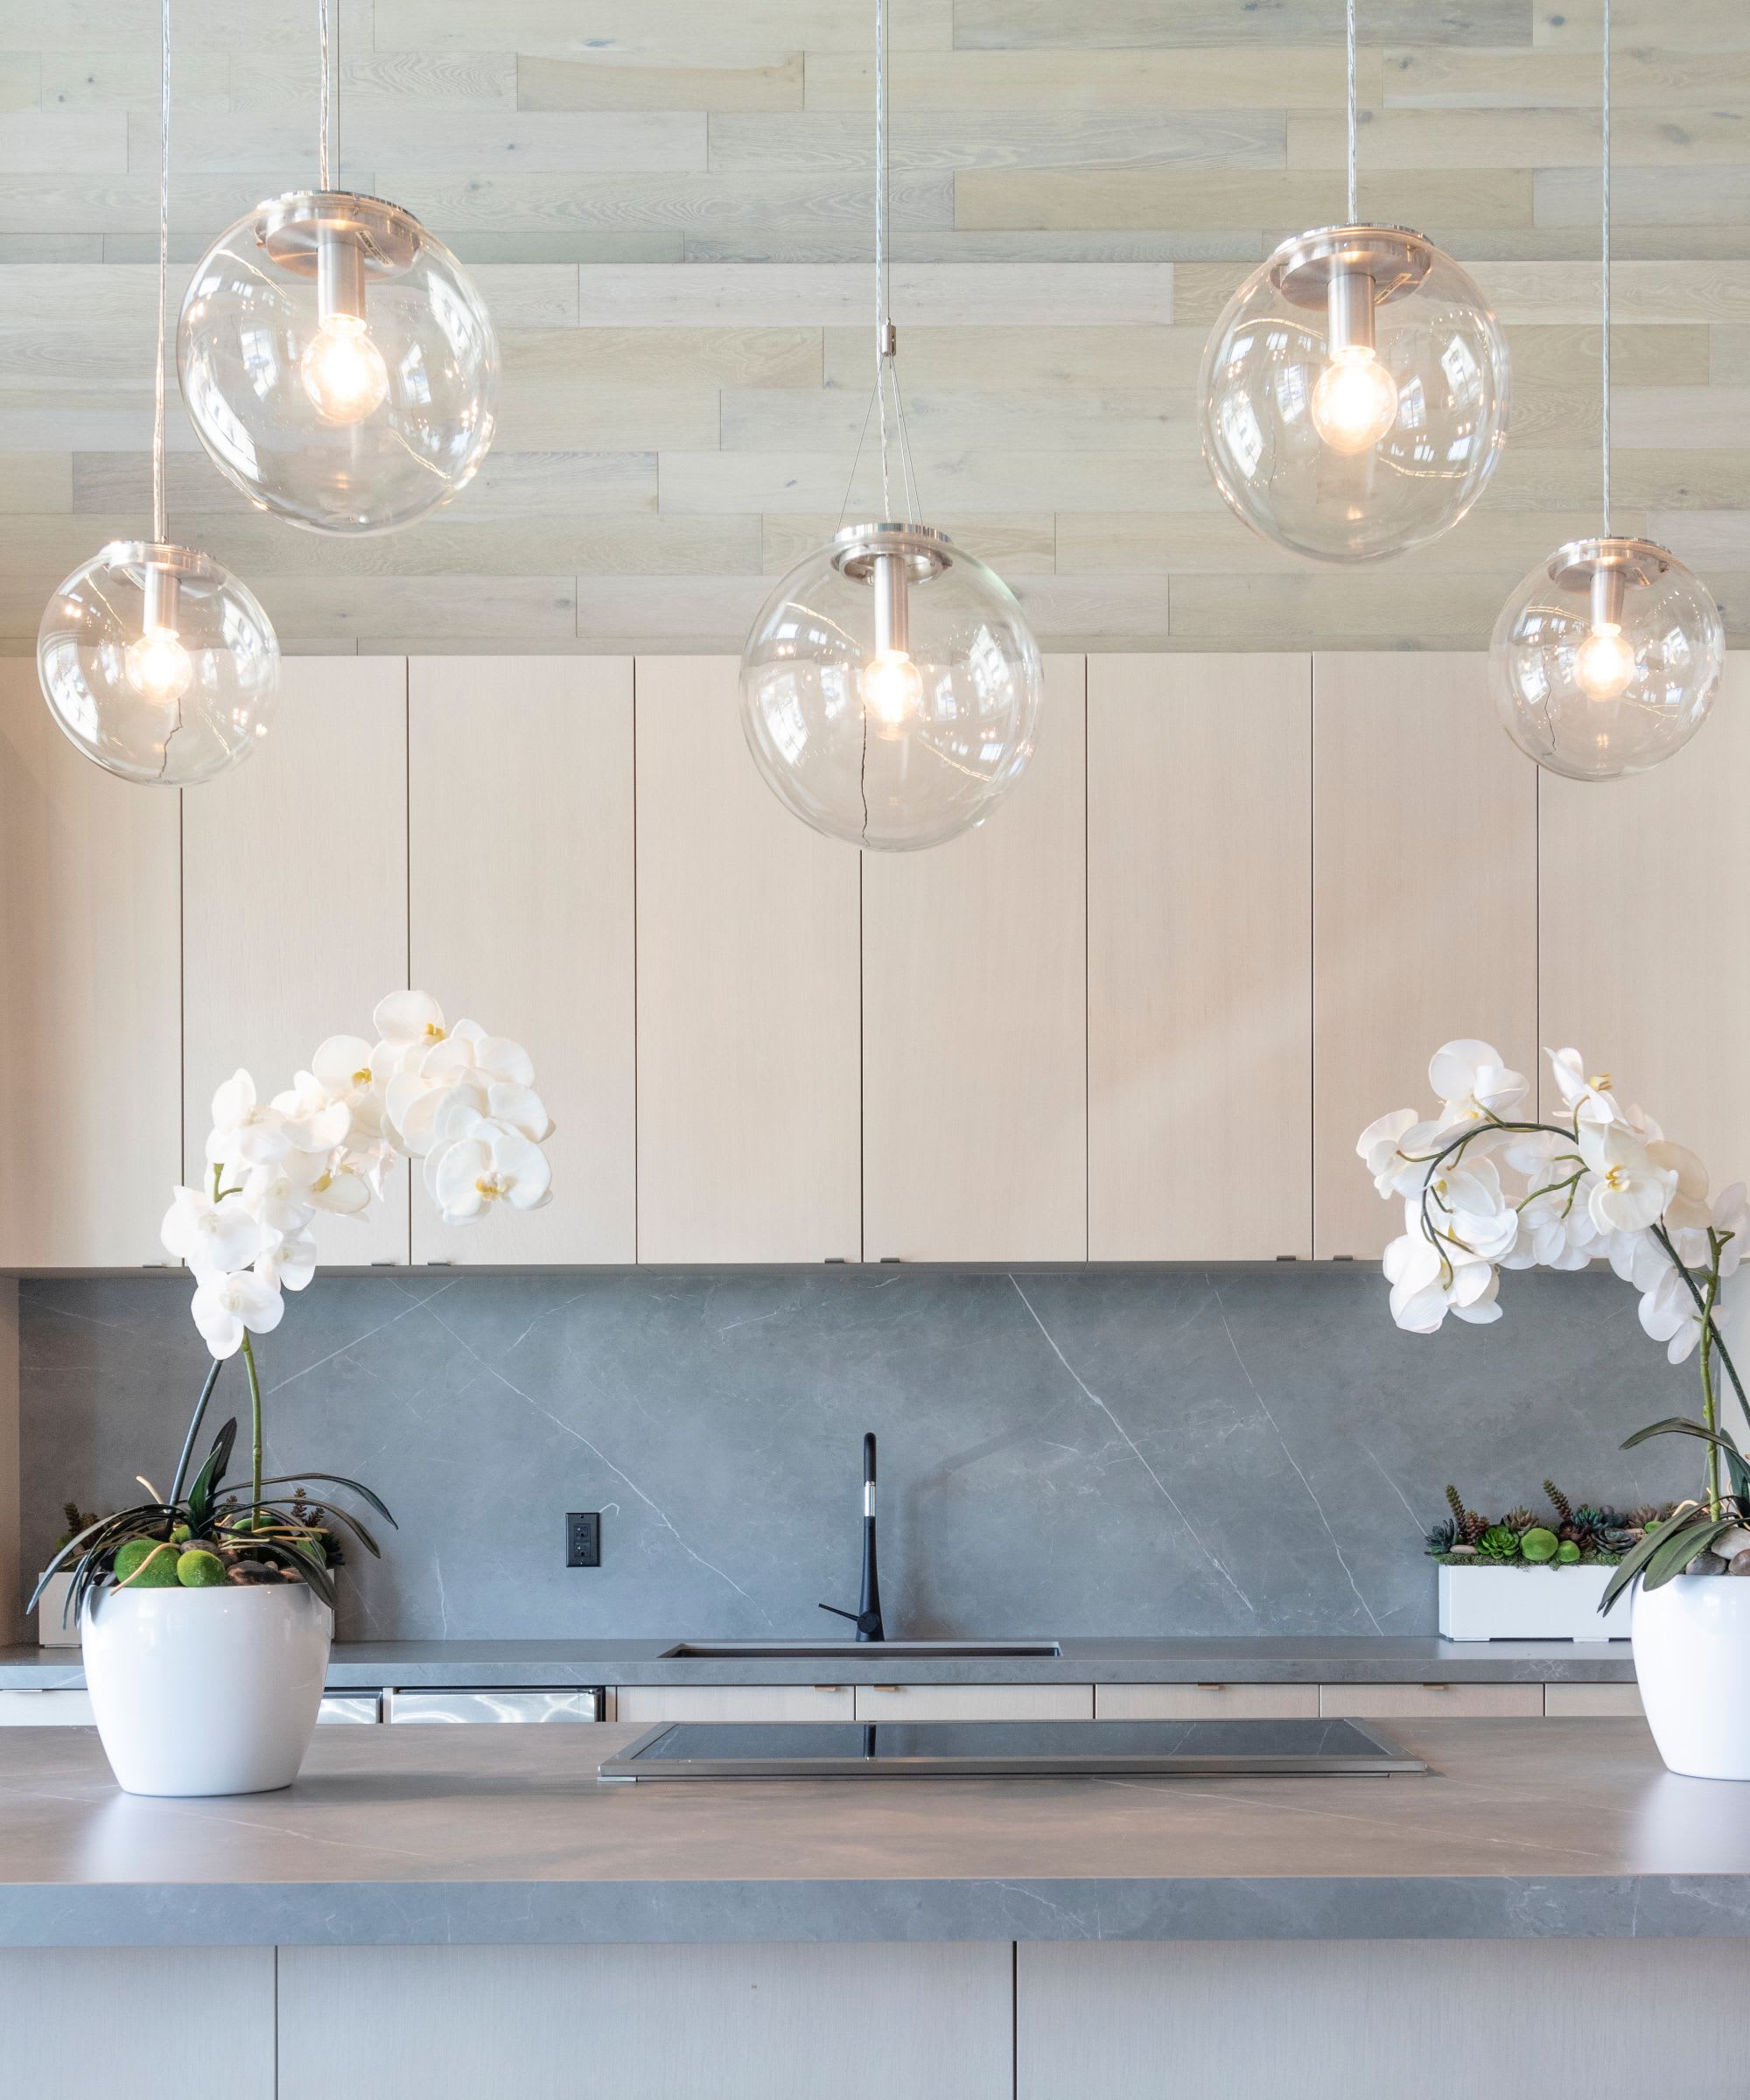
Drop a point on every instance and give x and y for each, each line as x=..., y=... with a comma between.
x=1705, y=1564
x=1740, y=1564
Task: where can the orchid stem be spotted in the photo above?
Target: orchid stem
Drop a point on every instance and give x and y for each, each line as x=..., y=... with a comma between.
x=254, y=1422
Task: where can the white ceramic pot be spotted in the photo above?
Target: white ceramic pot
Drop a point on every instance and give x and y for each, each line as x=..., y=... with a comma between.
x=1528, y=1604
x=206, y=1692
x=1692, y=1659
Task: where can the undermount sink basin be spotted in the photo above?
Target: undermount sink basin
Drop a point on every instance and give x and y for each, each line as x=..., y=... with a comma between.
x=926, y=1651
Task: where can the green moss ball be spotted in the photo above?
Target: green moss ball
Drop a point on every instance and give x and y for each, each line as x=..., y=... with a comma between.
x=146, y=1564
x=1537, y=1544
x=1568, y=1552
x=197, y=1569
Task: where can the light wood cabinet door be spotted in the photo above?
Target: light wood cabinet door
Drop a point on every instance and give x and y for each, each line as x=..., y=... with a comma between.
x=1593, y=1702
x=1200, y=957
x=1429, y=1702
x=748, y=1115
x=1644, y=904
x=974, y=1018
x=975, y=1702
x=520, y=877
x=90, y=1021
x=1425, y=916
x=644, y=1705
x=295, y=906
x=1205, y=1702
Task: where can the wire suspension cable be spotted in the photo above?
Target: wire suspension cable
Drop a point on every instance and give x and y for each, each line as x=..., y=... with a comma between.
x=1355, y=208
x=326, y=67
x=1604, y=274
x=159, y=524
x=882, y=352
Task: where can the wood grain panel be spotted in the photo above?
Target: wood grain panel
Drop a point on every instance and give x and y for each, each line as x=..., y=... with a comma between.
x=1205, y=1702
x=748, y=1115
x=644, y=1705
x=519, y=875
x=1429, y=1702
x=975, y=1073
x=975, y=1702
x=1627, y=996
x=1200, y=957
x=1425, y=884
x=90, y=1020
x=295, y=906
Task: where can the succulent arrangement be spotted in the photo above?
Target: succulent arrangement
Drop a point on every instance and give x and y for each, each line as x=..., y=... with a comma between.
x=1567, y=1535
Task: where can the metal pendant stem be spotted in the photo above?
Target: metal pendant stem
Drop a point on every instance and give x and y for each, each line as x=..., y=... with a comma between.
x=327, y=125
x=1349, y=27
x=163, y=274
x=162, y=596
x=892, y=609
x=1349, y=305
x=1604, y=302
x=340, y=275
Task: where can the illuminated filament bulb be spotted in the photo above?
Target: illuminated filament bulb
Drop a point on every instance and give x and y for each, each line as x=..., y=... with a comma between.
x=342, y=370
x=158, y=666
x=1604, y=664
x=891, y=684
x=1354, y=403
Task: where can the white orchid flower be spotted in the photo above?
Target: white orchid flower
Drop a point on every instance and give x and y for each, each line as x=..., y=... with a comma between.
x=1731, y=1222
x=1475, y=1082
x=1468, y=1211
x=409, y=1020
x=347, y=1183
x=1631, y=1189
x=493, y=1164
x=342, y=1069
x=1418, y=1279
x=245, y=1132
x=224, y=1306
x=1390, y=1147
x=213, y=1238
x=312, y=1122
x=1669, y=1313
x=1585, y=1097
x=289, y=1264
x=1474, y=1294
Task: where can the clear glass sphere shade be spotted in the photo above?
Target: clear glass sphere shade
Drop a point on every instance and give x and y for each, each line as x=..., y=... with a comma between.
x=1355, y=465
x=165, y=705
x=894, y=748
x=1596, y=682
x=354, y=409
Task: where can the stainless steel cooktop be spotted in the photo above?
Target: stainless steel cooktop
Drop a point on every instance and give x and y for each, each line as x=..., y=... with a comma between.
x=1004, y=1749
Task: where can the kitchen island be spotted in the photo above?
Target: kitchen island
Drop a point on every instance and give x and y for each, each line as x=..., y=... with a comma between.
x=471, y=1911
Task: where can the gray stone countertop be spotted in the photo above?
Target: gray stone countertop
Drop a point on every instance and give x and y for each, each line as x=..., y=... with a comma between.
x=503, y=1836
x=1355, y=1660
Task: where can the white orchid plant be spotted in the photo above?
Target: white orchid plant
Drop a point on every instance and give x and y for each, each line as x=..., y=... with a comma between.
x=460, y=1100
x=1485, y=1189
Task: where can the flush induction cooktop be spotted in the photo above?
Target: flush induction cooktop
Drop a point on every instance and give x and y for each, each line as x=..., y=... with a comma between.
x=1004, y=1749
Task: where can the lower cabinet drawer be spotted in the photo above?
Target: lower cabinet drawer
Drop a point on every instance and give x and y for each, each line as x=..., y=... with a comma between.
x=975, y=1702
x=644, y=1705
x=1205, y=1702
x=1593, y=1702
x=1429, y=1702
x=350, y=1706
x=56, y=1709
x=487, y=1704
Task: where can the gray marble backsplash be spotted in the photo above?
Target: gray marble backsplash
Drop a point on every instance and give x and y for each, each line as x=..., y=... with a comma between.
x=1249, y=1449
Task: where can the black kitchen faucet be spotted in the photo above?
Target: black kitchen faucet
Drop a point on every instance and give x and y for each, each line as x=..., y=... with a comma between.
x=867, y=1616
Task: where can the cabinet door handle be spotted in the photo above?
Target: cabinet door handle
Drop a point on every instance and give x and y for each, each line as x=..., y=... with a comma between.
x=829, y=1688
x=886, y=1688
x=1212, y=1687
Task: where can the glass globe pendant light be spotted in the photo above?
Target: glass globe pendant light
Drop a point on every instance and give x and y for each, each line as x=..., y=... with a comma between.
x=338, y=364
x=1608, y=657
x=1355, y=390
x=157, y=663
x=889, y=688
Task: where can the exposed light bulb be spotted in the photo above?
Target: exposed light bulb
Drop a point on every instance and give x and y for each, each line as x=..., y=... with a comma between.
x=1354, y=403
x=159, y=668
x=1603, y=664
x=893, y=689
x=343, y=370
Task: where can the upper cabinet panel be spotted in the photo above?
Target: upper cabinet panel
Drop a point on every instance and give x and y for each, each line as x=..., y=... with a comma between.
x=747, y=994
x=1200, y=957
x=1643, y=887
x=975, y=1073
x=90, y=1032
x=295, y=904
x=1424, y=880
x=520, y=859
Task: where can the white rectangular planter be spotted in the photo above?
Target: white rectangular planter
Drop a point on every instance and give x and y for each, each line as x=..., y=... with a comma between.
x=1528, y=1604
x=50, y=1631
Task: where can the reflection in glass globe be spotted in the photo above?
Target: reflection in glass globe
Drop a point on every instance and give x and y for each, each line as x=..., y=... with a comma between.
x=159, y=664
x=890, y=689
x=1606, y=658
x=1354, y=395
x=337, y=363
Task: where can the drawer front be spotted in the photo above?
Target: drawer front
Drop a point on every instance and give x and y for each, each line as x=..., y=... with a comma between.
x=1593, y=1702
x=1430, y=1702
x=1205, y=1702
x=485, y=1705
x=644, y=1705
x=350, y=1706
x=55, y=1709
x=975, y=1702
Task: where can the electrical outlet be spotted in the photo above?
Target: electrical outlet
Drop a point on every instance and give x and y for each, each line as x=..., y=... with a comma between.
x=583, y=1539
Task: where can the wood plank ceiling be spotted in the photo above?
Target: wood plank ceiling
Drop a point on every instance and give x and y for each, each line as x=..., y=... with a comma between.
x=667, y=203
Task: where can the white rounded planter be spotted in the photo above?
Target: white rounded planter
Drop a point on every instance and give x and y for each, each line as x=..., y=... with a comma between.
x=1692, y=1660
x=206, y=1692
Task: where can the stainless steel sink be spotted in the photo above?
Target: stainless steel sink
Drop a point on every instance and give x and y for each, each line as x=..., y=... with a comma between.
x=922, y=1651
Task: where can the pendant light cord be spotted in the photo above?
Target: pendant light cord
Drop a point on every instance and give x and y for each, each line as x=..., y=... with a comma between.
x=883, y=336
x=1603, y=299
x=159, y=515
x=1349, y=15
x=325, y=65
